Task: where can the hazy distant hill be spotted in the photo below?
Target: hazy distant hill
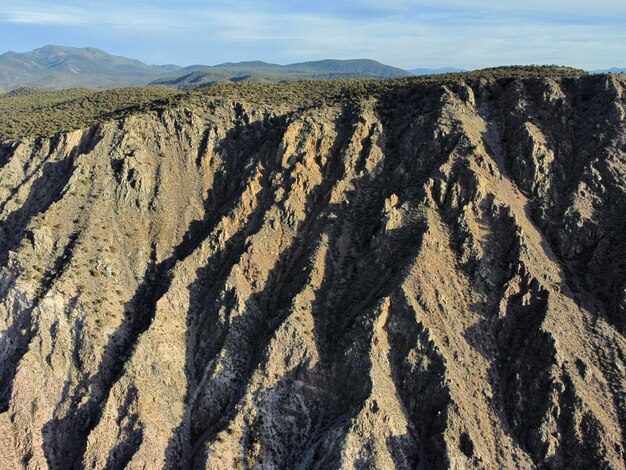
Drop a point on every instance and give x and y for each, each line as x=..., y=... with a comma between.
x=427, y=71
x=611, y=70
x=199, y=75
x=64, y=67
x=61, y=67
x=67, y=67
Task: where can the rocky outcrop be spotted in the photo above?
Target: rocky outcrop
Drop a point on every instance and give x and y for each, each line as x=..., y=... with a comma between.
x=431, y=278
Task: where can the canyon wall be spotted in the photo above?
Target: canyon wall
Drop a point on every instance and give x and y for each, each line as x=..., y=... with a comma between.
x=430, y=278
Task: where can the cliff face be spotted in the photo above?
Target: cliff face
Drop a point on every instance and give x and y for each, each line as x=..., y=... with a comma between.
x=432, y=278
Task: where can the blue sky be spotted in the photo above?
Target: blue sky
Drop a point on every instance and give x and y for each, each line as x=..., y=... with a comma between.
x=407, y=34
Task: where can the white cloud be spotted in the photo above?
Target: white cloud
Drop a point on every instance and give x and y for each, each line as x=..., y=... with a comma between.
x=42, y=17
x=470, y=33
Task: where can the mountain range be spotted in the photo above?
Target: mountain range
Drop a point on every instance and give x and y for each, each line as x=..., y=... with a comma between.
x=66, y=67
x=201, y=75
x=60, y=67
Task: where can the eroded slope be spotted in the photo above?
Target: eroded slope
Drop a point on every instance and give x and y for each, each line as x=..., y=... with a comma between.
x=432, y=278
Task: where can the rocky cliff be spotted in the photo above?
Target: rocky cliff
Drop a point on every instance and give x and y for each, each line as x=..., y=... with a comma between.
x=432, y=277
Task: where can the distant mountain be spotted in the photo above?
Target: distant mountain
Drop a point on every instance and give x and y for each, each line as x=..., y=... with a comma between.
x=426, y=71
x=611, y=70
x=198, y=75
x=65, y=67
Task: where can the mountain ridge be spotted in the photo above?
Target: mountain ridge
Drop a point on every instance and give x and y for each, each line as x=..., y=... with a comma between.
x=67, y=67
x=61, y=67
x=197, y=76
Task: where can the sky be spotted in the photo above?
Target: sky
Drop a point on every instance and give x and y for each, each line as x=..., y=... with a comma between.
x=408, y=34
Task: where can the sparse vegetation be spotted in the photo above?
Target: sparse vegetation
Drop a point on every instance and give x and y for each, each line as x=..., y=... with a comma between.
x=34, y=112
x=357, y=270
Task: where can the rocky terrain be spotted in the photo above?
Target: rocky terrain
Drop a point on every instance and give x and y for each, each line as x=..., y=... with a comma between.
x=432, y=276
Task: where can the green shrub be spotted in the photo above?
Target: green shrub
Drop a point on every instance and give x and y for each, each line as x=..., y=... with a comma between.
x=38, y=112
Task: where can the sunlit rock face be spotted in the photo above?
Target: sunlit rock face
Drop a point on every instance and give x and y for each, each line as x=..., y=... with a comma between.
x=432, y=278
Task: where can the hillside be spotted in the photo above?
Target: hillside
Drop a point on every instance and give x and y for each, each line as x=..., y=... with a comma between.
x=424, y=272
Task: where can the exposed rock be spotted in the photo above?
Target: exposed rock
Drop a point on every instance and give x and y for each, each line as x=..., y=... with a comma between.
x=433, y=278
